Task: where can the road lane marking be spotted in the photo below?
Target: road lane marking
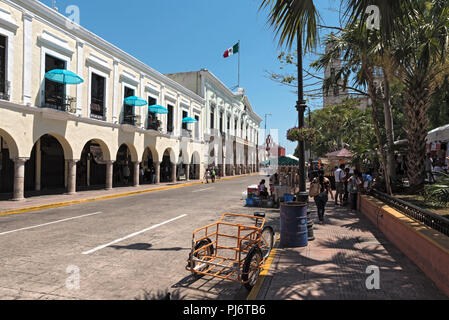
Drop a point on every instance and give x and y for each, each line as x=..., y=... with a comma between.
x=49, y=223
x=133, y=234
x=102, y=198
x=203, y=189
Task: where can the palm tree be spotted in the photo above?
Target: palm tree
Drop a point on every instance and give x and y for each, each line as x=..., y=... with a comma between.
x=420, y=54
x=358, y=49
x=299, y=19
x=290, y=16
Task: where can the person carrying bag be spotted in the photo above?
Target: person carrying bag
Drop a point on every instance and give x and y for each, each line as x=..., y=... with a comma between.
x=322, y=197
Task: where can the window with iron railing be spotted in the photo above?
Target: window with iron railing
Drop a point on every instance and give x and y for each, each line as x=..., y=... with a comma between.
x=97, y=105
x=152, y=122
x=128, y=110
x=55, y=96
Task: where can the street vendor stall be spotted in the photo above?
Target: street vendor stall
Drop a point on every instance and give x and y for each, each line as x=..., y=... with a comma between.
x=287, y=168
x=335, y=159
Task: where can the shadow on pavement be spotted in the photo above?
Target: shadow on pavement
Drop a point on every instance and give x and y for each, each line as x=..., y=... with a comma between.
x=146, y=247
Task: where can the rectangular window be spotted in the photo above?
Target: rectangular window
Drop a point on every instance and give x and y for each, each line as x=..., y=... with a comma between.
x=3, y=80
x=197, y=127
x=170, y=118
x=153, y=122
x=97, y=104
x=221, y=123
x=212, y=118
x=54, y=92
x=229, y=124
x=128, y=111
x=185, y=114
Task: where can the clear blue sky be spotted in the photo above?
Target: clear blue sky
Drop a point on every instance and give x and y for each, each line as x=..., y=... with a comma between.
x=185, y=35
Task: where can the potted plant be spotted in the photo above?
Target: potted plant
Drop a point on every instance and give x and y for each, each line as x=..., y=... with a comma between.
x=302, y=134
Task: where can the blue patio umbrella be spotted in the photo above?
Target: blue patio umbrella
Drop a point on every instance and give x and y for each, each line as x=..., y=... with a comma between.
x=189, y=120
x=158, y=109
x=135, y=101
x=63, y=76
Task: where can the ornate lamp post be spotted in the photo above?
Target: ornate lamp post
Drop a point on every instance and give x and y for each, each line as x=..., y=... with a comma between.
x=301, y=106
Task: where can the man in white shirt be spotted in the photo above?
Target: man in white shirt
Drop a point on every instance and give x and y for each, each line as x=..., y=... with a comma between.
x=339, y=184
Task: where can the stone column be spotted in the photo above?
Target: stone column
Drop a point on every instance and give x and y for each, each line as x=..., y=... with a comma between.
x=187, y=172
x=157, y=171
x=38, y=166
x=173, y=172
x=19, y=179
x=136, y=174
x=71, y=176
x=109, y=174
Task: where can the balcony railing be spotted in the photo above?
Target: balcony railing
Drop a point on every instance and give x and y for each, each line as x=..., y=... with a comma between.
x=154, y=124
x=97, y=109
x=58, y=102
x=5, y=91
x=186, y=133
x=131, y=119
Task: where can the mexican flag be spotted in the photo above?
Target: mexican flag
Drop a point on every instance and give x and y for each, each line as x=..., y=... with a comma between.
x=231, y=51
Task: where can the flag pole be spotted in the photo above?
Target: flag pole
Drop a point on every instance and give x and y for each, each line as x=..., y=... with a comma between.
x=239, y=66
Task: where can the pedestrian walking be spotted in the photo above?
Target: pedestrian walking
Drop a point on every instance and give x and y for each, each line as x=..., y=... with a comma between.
x=323, y=197
x=355, y=186
x=126, y=173
x=339, y=184
x=141, y=174
x=213, y=175
x=153, y=175
x=207, y=175
x=346, y=191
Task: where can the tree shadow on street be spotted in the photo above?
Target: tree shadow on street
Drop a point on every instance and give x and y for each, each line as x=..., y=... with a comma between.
x=146, y=247
x=160, y=295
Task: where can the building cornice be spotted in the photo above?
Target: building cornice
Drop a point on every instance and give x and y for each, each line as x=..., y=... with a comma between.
x=41, y=10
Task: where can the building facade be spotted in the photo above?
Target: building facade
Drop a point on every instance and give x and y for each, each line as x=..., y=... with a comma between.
x=231, y=126
x=74, y=137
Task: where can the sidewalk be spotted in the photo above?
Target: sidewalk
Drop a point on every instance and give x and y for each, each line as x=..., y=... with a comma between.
x=58, y=200
x=333, y=267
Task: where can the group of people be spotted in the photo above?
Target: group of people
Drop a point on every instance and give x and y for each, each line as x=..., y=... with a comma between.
x=347, y=184
x=210, y=174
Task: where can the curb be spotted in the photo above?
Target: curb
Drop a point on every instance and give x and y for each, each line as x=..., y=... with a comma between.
x=266, y=268
x=108, y=197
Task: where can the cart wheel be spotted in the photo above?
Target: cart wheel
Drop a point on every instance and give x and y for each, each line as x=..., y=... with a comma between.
x=209, y=251
x=267, y=241
x=251, y=267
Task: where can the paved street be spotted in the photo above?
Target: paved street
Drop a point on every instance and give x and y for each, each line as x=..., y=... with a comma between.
x=128, y=248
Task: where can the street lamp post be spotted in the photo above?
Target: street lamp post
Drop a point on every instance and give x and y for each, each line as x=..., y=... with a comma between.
x=301, y=106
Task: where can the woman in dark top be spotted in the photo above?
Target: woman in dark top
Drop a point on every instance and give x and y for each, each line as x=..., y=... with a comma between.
x=323, y=197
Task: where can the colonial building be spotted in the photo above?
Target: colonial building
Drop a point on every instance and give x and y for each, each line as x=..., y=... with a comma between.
x=231, y=126
x=72, y=137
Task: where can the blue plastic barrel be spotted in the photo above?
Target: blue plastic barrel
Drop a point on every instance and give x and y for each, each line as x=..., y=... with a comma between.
x=294, y=230
x=250, y=202
x=288, y=197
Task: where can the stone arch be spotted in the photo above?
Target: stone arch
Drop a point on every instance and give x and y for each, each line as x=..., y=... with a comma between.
x=195, y=166
x=47, y=167
x=168, y=165
x=91, y=167
x=172, y=154
x=12, y=145
x=133, y=151
x=104, y=148
x=66, y=147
